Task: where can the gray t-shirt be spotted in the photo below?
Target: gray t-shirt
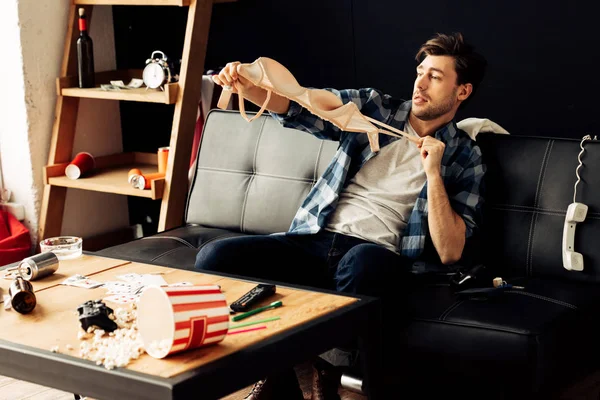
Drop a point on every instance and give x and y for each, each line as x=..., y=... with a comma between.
x=377, y=202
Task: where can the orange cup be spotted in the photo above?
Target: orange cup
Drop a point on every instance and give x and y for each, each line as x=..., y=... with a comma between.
x=179, y=318
x=82, y=163
x=163, y=158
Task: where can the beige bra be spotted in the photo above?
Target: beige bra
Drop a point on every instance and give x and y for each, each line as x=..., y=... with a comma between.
x=274, y=77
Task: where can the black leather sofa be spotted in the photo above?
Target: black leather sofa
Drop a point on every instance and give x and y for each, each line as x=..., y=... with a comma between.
x=524, y=343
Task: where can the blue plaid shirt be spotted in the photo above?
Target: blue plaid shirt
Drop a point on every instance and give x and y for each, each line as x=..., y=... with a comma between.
x=462, y=169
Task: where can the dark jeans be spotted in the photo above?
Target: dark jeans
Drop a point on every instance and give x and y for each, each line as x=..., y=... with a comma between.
x=325, y=260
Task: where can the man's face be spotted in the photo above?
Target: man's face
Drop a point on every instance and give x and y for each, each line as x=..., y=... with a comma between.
x=435, y=92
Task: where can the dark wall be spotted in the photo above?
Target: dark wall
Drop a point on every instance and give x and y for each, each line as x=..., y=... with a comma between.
x=541, y=80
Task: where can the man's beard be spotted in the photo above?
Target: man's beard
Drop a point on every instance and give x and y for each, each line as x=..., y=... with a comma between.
x=434, y=111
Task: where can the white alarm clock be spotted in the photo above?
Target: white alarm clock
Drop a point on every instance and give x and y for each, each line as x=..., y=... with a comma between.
x=157, y=71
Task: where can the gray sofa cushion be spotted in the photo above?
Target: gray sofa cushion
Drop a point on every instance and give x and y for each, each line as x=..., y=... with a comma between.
x=248, y=171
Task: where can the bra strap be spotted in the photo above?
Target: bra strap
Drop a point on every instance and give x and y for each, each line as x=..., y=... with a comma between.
x=224, y=98
x=243, y=108
x=388, y=133
x=391, y=128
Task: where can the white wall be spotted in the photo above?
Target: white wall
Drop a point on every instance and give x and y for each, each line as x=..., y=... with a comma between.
x=32, y=39
x=14, y=125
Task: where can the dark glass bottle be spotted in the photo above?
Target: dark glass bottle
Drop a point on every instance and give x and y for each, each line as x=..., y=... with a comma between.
x=22, y=297
x=85, y=54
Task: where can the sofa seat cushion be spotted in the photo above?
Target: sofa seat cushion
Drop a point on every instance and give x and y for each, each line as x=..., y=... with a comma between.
x=175, y=248
x=529, y=335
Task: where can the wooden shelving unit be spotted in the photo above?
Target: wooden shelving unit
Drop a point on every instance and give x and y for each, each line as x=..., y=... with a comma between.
x=110, y=174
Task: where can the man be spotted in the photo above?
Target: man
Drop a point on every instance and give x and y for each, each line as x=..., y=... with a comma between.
x=371, y=215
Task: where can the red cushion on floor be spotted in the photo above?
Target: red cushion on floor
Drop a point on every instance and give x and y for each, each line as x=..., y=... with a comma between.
x=15, y=241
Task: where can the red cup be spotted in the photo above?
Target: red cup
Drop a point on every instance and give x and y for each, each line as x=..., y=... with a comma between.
x=179, y=318
x=82, y=163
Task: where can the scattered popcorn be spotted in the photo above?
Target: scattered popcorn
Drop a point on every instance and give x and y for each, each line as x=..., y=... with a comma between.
x=54, y=349
x=161, y=347
x=69, y=347
x=113, y=349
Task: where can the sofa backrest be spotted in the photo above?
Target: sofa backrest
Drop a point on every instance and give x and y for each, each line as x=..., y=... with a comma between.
x=529, y=185
x=252, y=177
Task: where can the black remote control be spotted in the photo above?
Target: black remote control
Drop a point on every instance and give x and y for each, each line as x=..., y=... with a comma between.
x=258, y=293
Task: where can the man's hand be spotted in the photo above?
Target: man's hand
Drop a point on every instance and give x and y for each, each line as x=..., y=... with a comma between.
x=229, y=77
x=432, y=151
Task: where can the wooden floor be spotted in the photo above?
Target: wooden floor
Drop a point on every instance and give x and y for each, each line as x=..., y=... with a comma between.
x=11, y=389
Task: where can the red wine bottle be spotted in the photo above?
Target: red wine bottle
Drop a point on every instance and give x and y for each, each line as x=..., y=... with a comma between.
x=85, y=54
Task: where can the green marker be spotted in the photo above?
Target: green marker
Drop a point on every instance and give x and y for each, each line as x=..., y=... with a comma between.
x=257, y=310
x=258, y=321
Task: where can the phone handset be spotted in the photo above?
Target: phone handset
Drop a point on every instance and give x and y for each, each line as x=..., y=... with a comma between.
x=572, y=260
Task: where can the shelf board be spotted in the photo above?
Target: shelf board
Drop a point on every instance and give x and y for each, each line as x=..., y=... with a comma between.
x=67, y=86
x=179, y=3
x=110, y=175
x=133, y=2
x=168, y=96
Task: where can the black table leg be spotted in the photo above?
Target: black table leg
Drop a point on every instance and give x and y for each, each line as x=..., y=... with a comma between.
x=371, y=353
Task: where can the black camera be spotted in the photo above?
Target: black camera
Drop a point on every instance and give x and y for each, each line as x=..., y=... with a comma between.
x=95, y=312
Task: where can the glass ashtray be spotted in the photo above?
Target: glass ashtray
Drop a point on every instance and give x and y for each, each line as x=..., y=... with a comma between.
x=64, y=247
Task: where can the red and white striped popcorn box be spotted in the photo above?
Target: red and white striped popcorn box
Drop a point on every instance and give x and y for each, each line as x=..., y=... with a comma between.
x=178, y=318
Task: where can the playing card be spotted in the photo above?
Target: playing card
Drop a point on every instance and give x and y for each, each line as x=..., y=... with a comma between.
x=116, y=287
x=81, y=281
x=131, y=277
x=122, y=298
x=150, y=280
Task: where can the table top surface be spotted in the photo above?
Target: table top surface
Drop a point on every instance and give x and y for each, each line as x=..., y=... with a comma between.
x=54, y=322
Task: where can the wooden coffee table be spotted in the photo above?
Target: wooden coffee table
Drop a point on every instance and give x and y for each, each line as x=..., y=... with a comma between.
x=311, y=322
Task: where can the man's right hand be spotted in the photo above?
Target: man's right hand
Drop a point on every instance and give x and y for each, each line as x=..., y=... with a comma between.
x=229, y=77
